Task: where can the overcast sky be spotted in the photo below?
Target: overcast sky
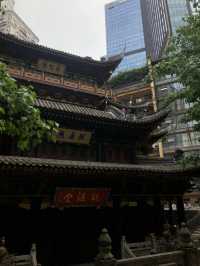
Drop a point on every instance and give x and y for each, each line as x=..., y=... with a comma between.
x=75, y=26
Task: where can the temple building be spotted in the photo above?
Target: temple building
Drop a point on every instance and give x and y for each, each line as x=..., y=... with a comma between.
x=60, y=195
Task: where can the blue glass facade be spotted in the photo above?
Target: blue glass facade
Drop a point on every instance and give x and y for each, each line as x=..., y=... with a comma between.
x=136, y=28
x=124, y=32
x=177, y=10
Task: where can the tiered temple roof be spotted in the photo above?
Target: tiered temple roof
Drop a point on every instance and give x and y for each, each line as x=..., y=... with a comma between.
x=70, y=112
x=99, y=71
x=91, y=114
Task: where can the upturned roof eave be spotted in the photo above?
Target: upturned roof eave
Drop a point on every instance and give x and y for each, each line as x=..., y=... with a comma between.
x=104, y=67
x=86, y=113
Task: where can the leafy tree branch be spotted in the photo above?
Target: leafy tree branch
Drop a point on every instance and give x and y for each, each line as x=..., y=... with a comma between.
x=182, y=60
x=19, y=118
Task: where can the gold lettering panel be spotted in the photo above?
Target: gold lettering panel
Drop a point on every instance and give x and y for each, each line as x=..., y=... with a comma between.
x=73, y=136
x=51, y=67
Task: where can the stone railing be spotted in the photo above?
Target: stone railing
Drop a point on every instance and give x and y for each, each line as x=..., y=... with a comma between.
x=165, y=259
x=7, y=259
x=187, y=253
x=194, y=222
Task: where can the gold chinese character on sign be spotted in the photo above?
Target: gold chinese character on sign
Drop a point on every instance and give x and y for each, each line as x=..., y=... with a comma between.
x=74, y=136
x=81, y=197
x=95, y=197
x=51, y=67
x=81, y=136
x=68, y=198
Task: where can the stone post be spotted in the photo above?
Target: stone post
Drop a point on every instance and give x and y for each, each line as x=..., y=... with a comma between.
x=105, y=256
x=34, y=254
x=154, y=249
x=188, y=246
x=5, y=258
x=167, y=237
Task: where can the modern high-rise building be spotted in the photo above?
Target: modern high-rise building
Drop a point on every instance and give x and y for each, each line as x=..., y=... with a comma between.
x=181, y=135
x=125, y=35
x=157, y=27
x=11, y=23
x=156, y=22
x=141, y=28
x=178, y=9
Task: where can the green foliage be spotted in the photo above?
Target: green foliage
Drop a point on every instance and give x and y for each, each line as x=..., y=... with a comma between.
x=131, y=76
x=1, y=7
x=190, y=161
x=19, y=117
x=183, y=61
x=196, y=3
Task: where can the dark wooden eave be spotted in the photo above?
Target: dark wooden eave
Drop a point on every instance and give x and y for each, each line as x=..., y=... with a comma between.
x=100, y=71
x=155, y=136
x=86, y=114
x=67, y=168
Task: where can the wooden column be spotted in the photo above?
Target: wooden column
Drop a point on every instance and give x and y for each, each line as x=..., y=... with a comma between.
x=170, y=215
x=180, y=209
x=118, y=227
x=35, y=222
x=100, y=152
x=158, y=214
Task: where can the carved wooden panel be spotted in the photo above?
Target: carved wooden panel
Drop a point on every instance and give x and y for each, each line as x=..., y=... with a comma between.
x=87, y=87
x=14, y=70
x=57, y=80
x=70, y=83
x=35, y=75
x=52, y=79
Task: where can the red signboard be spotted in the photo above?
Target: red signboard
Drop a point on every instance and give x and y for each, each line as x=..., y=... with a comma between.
x=66, y=197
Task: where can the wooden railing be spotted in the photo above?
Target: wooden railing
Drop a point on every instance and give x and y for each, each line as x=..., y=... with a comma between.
x=35, y=75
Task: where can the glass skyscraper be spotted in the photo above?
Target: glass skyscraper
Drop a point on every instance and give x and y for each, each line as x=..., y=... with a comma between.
x=157, y=27
x=125, y=35
x=177, y=10
x=141, y=28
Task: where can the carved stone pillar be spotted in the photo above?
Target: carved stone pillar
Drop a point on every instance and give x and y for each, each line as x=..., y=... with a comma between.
x=105, y=256
x=191, y=256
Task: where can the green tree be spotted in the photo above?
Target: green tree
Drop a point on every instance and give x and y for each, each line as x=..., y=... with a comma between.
x=1, y=7
x=19, y=118
x=196, y=4
x=182, y=60
x=131, y=76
